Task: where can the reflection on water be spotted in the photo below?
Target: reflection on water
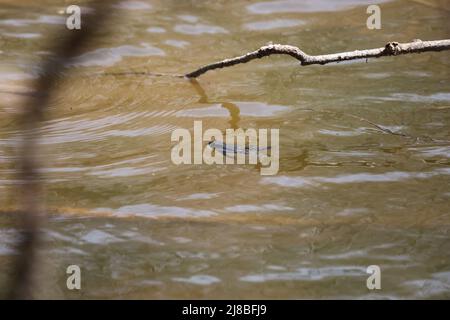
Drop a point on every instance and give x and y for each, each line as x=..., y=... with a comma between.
x=394, y=176
x=273, y=24
x=108, y=57
x=306, y=274
x=197, y=29
x=364, y=153
x=133, y=5
x=270, y=7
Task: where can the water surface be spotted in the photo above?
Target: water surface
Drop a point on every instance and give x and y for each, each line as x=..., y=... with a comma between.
x=348, y=194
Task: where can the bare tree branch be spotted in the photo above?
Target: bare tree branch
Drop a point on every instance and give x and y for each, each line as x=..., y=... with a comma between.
x=390, y=49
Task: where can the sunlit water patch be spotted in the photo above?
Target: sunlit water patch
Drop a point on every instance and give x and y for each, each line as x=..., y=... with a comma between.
x=273, y=24
x=268, y=7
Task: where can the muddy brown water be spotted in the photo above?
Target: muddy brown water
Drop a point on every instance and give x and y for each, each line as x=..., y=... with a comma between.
x=347, y=194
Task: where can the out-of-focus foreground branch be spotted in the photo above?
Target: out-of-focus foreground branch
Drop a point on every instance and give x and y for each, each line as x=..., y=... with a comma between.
x=390, y=49
x=32, y=205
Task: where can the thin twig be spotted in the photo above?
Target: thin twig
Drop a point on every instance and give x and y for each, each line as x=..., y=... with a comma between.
x=390, y=49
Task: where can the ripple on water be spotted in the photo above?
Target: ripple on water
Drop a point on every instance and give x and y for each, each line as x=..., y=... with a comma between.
x=153, y=211
x=427, y=288
x=342, y=133
x=273, y=24
x=27, y=35
x=86, y=130
x=176, y=43
x=154, y=130
x=444, y=276
x=198, y=29
x=365, y=253
x=393, y=176
x=133, y=5
x=110, y=56
x=250, y=109
x=8, y=241
x=307, y=274
x=125, y=172
x=182, y=240
x=188, y=18
x=156, y=30
x=352, y=211
x=376, y=75
x=16, y=76
x=111, y=169
x=269, y=7
x=429, y=152
x=258, y=208
x=202, y=280
x=100, y=237
x=413, y=97
x=199, y=196
x=42, y=19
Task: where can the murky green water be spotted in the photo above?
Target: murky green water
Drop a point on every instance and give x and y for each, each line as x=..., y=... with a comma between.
x=347, y=194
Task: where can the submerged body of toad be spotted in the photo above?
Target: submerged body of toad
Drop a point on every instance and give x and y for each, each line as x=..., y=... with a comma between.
x=231, y=150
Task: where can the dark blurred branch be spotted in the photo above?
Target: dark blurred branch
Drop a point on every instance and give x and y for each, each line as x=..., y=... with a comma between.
x=32, y=212
x=390, y=49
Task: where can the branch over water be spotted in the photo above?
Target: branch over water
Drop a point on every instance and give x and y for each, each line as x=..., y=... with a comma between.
x=390, y=49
